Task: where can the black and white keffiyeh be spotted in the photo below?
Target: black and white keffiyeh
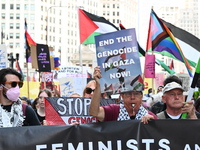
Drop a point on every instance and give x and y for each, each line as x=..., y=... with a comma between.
x=14, y=118
x=123, y=114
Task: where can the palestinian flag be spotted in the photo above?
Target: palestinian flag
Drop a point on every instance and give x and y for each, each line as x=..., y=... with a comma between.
x=137, y=83
x=91, y=25
x=111, y=60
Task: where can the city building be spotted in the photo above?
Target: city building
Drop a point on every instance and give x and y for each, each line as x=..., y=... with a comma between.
x=55, y=22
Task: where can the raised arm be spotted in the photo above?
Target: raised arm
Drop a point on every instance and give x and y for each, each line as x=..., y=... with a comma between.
x=95, y=109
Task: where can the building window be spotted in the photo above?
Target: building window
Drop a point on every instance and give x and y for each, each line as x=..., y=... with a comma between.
x=17, y=36
x=17, y=16
x=3, y=26
x=17, y=45
x=17, y=26
x=32, y=17
x=3, y=6
x=11, y=25
x=11, y=45
x=113, y=5
x=11, y=6
x=3, y=16
x=25, y=6
x=32, y=7
x=11, y=35
x=11, y=16
x=18, y=6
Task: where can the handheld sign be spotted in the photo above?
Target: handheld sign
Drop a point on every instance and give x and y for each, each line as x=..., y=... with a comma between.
x=118, y=58
x=43, y=58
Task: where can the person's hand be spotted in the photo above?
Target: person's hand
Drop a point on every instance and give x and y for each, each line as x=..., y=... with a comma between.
x=146, y=118
x=188, y=107
x=45, y=123
x=97, y=73
x=74, y=123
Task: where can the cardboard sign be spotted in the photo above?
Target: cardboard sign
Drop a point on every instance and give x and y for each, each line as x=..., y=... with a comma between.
x=118, y=58
x=3, y=57
x=43, y=58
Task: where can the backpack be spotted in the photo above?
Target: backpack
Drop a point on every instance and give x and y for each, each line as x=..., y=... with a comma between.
x=24, y=108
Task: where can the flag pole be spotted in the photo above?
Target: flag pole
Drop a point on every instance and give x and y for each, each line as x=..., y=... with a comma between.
x=27, y=75
x=80, y=52
x=192, y=87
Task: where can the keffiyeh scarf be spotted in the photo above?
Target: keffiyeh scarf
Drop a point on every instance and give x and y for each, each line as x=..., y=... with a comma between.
x=14, y=118
x=123, y=114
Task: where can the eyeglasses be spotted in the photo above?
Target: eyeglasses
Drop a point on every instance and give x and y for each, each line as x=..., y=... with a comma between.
x=15, y=83
x=129, y=94
x=89, y=90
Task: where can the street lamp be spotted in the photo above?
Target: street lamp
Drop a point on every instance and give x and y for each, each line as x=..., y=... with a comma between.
x=12, y=59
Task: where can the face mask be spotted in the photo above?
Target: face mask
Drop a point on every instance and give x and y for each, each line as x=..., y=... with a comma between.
x=13, y=93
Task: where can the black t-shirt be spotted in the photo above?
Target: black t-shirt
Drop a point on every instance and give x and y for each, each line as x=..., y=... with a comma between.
x=30, y=116
x=39, y=117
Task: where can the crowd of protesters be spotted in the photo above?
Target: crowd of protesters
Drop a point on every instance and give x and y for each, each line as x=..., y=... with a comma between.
x=167, y=103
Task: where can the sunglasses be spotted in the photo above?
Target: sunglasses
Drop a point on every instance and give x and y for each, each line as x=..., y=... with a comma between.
x=15, y=83
x=89, y=90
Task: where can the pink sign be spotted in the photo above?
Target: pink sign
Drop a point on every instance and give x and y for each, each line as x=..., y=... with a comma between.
x=149, y=69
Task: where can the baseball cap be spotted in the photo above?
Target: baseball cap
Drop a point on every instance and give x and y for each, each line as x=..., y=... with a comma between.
x=171, y=86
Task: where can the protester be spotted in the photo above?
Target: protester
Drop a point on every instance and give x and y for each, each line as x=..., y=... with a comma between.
x=35, y=103
x=12, y=112
x=40, y=110
x=175, y=103
x=75, y=95
x=89, y=89
x=197, y=105
x=131, y=108
x=55, y=92
x=25, y=100
x=154, y=98
x=157, y=105
x=149, y=92
x=159, y=89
